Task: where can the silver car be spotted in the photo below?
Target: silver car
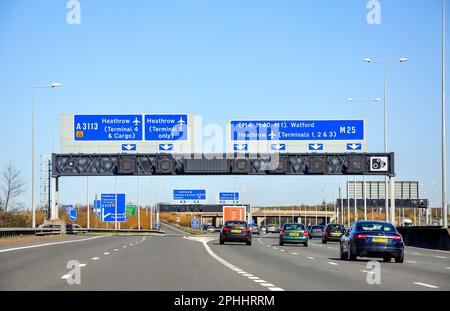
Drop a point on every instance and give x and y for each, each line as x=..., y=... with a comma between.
x=316, y=231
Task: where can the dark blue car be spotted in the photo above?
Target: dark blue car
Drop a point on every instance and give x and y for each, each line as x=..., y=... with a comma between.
x=372, y=239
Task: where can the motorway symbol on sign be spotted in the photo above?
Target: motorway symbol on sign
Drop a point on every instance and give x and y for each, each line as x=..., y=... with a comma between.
x=165, y=147
x=354, y=146
x=189, y=195
x=240, y=147
x=286, y=130
x=129, y=147
x=315, y=147
x=108, y=127
x=166, y=127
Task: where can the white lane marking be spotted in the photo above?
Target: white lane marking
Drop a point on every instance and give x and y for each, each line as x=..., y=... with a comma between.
x=131, y=244
x=329, y=247
x=426, y=285
x=415, y=253
x=365, y=271
x=95, y=258
x=82, y=265
x=294, y=253
x=427, y=249
x=282, y=250
x=441, y=257
x=124, y=246
x=448, y=268
x=248, y=275
x=267, y=285
x=333, y=263
x=105, y=253
x=227, y=264
x=49, y=244
x=66, y=276
x=116, y=249
x=268, y=245
x=275, y=247
x=276, y=289
x=410, y=261
x=310, y=257
x=242, y=272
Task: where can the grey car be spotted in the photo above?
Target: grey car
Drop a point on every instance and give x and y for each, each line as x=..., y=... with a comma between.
x=316, y=231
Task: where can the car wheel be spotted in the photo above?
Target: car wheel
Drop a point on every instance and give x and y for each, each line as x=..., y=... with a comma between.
x=324, y=241
x=387, y=259
x=281, y=243
x=305, y=244
x=350, y=255
x=248, y=243
x=222, y=242
x=343, y=255
x=310, y=237
x=400, y=259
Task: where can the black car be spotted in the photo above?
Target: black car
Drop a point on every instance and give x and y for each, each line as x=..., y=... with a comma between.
x=333, y=232
x=236, y=231
x=372, y=239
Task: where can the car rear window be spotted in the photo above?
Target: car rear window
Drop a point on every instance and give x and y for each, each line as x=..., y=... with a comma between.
x=294, y=227
x=335, y=228
x=236, y=224
x=317, y=227
x=375, y=227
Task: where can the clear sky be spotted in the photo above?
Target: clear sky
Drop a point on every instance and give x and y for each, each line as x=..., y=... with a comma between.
x=223, y=60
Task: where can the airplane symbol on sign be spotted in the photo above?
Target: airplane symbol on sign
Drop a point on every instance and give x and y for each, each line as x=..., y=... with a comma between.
x=136, y=122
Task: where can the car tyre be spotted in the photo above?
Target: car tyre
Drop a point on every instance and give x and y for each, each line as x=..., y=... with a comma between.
x=324, y=241
x=400, y=259
x=249, y=243
x=342, y=255
x=350, y=255
x=281, y=243
x=222, y=242
x=305, y=244
x=387, y=259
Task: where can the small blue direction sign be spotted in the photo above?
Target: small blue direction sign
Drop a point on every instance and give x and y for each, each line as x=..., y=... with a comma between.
x=295, y=130
x=73, y=214
x=240, y=147
x=107, y=127
x=315, y=147
x=166, y=127
x=228, y=196
x=129, y=147
x=278, y=147
x=194, y=223
x=165, y=147
x=195, y=195
x=108, y=208
x=354, y=147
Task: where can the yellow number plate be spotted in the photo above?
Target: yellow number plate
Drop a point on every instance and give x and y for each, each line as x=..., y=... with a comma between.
x=380, y=240
x=335, y=234
x=236, y=231
x=294, y=234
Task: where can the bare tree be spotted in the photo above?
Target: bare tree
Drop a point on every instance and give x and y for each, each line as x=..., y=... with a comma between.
x=11, y=186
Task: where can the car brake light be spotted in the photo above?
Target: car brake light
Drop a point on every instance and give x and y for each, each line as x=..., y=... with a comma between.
x=305, y=233
x=226, y=229
x=247, y=230
x=325, y=233
x=283, y=233
x=361, y=236
x=397, y=237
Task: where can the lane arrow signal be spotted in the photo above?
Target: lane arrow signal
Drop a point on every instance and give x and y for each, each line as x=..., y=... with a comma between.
x=354, y=146
x=279, y=147
x=315, y=146
x=166, y=147
x=240, y=147
x=129, y=147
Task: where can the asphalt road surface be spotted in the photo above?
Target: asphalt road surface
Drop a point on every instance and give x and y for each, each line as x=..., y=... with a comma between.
x=179, y=262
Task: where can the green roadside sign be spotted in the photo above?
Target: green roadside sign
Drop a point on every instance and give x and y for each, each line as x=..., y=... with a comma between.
x=130, y=210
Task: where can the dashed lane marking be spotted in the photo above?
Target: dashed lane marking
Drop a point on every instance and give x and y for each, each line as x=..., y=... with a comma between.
x=426, y=285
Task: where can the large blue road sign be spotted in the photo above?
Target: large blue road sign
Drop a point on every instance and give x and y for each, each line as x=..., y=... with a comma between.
x=73, y=214
x=108, y=208
x=298, y=130
x=107, y=127
x=166, y=127
x=189, y=195
x=228, y=196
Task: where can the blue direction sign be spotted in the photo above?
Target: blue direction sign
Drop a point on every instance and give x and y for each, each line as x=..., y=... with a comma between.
x=129, y=147
x=228, y=196
x=97, y=207
x=194, y=223
x=107, y=127
x=73, y=214
x=166, y=127
x=165, y=147
x=315, y=147
x=354, y=147
x=68, y=208
x=108, y=208
x=184, y=195
x=328, y=130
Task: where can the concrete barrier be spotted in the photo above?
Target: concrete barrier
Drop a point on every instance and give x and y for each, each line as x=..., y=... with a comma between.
x=426, y=237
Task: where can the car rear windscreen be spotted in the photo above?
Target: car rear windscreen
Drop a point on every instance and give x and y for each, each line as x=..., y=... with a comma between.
x=335, y=228
x=375, y=227
x=317, y=227
x=294, y=227
x=236, y=224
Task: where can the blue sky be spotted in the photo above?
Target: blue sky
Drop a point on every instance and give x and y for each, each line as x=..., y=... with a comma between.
x=223, y=60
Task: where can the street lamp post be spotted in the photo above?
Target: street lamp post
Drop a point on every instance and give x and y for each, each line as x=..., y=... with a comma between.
x=385, y=64
x=444, y=145
x=33, y=137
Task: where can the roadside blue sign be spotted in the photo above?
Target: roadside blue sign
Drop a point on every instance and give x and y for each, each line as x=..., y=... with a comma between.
x=73, y=214
x=129, y=147
x=68, y=208
x=155, y=225
x=97, y=207
x=298, y=130
x=189, y=195
x=194, y=223
x=165, y=147
x=354, y=147
x=108, y=208
x=315, y=147
x=166, y=127
x=240, y=147
x=107, y=127
x=228, y=196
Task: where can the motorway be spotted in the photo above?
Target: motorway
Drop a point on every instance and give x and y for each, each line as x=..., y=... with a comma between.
x=177, y=261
